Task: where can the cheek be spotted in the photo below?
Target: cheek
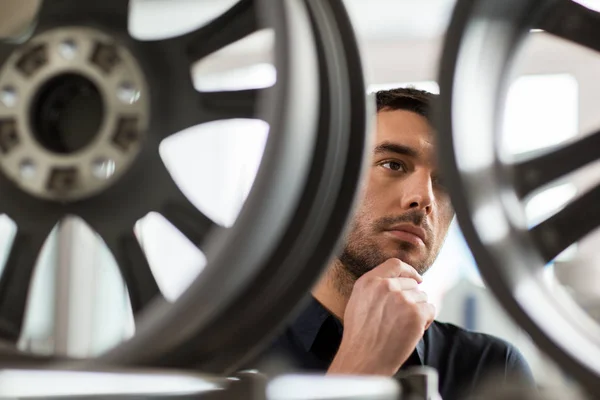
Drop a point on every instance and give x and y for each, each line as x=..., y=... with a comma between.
x=363, y=215
x=446, y=215
x=376, y=193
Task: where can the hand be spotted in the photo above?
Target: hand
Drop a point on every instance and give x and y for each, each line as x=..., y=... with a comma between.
x=386, y=316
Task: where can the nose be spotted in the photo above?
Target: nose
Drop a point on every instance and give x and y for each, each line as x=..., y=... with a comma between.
x=418, y=192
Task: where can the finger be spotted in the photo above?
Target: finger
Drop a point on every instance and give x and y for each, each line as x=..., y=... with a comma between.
x=428, y=312
x=394, y=268
x=409, y=272
x=415, y=296
x=401, y=284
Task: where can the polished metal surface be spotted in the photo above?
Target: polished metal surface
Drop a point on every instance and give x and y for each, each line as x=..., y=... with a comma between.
x=318, y=387
x=16, y=18
x=488, y=193
x=259, y=268
x=48, y=384
x=162, y=384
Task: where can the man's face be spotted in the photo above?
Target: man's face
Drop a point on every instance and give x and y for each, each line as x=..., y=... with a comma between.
x=405, y=212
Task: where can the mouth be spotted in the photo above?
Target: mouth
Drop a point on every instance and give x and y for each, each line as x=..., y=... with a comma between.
x=408, y=233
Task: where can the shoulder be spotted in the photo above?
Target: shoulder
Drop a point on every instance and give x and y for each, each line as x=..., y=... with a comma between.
x=488, y=352
x=470, y=339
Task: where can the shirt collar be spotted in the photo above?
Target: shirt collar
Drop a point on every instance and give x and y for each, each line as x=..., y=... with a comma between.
x=309, y=322
x=307, y=325
x=421, y=350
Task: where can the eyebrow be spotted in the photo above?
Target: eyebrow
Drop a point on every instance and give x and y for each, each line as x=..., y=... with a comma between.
x=389, y=147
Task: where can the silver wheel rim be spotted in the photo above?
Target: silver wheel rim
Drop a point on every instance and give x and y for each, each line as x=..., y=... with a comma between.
x=315, y=155
x=481, y=43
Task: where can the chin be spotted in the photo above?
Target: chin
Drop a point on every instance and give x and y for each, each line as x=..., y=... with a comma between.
x=412, y=257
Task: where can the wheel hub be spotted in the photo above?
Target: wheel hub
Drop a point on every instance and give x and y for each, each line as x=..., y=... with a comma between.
x=67, y=114
x=74, y=109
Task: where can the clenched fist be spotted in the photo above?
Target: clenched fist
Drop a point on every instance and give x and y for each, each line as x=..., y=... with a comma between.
x=384, y=320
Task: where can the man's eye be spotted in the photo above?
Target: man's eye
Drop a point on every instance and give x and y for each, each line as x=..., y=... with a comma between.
x=393, y=165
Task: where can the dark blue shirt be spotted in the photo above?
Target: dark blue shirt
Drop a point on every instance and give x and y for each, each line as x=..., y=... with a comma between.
x=463, y=359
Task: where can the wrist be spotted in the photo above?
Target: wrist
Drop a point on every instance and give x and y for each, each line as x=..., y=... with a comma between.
x=351, y=363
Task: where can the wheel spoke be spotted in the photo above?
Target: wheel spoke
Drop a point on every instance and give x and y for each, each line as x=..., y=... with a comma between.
x=214, y=106
x=114, y=13
x=134, y=267
x=573, y=22
x=187, y=218
x=235, y=24
x=533, y=174
x=6, y=50
x=16, y=279
x=228, y=105
x=569, y=225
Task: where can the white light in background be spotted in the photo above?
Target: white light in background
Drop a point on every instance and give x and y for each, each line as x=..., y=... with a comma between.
x=159, y=19
x=307, y=387
x=430, y=86
x=214, y=165
x=490, y=222
x=8, y=230
x=254, y=76
x=46, y=383
x=392, y=19
x=541, y=111
x=250, y=65
x=173, y=259
x=591, y=4
x=544, y=204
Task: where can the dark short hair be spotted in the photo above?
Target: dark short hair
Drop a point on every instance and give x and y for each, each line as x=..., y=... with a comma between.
x=409, y=99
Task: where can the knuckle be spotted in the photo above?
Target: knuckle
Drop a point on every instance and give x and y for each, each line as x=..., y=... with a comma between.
x=362, y=282
x=427, y=312
x=403, y=299
x=411, y=271
x=414, y=311
x=397, y=263
x=410, y=283
x=386, y=285
x=404, y=266
x=394, y=261
x=432, y=310
x=366, y=279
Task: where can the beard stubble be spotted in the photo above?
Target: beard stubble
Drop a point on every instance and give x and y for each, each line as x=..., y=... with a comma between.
x=361, y=252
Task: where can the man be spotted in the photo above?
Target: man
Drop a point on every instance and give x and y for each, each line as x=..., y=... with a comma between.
x=367, y=314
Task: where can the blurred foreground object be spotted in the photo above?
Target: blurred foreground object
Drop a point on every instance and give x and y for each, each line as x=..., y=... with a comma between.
x=81, y=61
x=488, y=191
x=84, y=107
x=16, y=17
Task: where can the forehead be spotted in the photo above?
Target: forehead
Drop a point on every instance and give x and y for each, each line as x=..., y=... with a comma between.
x=405, y=128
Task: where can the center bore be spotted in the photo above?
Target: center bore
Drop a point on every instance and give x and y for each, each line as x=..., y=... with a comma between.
x=67, y=113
